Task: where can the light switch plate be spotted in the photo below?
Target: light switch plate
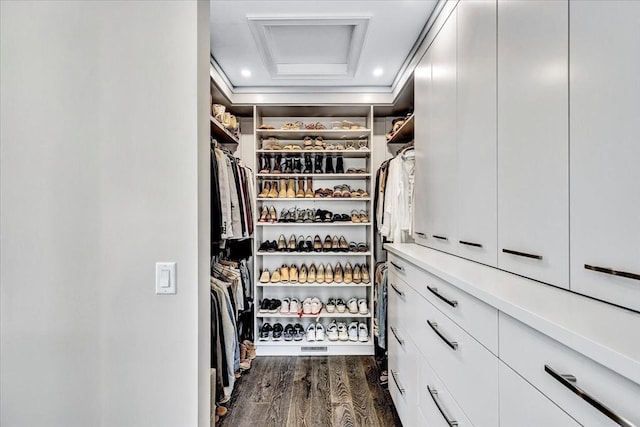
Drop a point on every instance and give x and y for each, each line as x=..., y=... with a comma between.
x=165, y=278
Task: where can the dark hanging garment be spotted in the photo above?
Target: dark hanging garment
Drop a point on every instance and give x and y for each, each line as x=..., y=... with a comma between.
x=216, y=206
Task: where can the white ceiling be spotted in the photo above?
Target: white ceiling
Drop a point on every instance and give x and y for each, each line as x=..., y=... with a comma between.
x=305, y=43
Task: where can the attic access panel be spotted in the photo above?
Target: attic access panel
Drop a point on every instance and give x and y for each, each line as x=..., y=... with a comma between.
x=310, y=47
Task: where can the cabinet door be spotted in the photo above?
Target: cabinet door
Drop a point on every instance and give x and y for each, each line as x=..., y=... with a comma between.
x=522, y=405
x=533, y=158
x=422, y=137
x=605, y=149
x=476, y=106
x=441, y=191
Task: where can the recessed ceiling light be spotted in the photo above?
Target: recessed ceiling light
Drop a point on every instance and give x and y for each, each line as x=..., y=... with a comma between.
x=245, y=73
x=378, y=72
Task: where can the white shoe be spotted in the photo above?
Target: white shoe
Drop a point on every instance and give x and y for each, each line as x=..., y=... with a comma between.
x=311, y=332
x=353, y=331
x=352, y=305
x=340, y=305
x=362, y=306
x=316, y=305
x=319, y=332
x=342, y=332
x=363, y=332
x=332, y=331
x=331, y=305
x=306, y=306
x=294, y=306
x=284, y=308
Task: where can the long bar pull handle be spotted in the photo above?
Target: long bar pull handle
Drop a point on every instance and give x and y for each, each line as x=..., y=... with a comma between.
x=475, y=245
x=395, y=380
x=434, y=393
x=395, y=334
x=398, y=291
x=439, y=237
x=569, y=382
x=612, y=272
x=523, y=254
x=434, y=326
x=434, y=290
x=398, y=267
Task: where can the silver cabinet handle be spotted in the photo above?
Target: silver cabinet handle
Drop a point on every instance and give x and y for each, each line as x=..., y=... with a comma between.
x=395, y=334
x=395, y=380
x=569, y=381
x=398, y=291
x=398, y=267
x=612, y=272
x=440, y=237
x=433, y=392
x=522, y=254
x=434, y=290
x=452, y=344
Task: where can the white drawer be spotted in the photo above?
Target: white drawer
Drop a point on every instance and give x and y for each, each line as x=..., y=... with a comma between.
x=403, y=381
x=536, y=357
x=468, y=369
x=477, y=318
x=436, y=406
x=523, y=406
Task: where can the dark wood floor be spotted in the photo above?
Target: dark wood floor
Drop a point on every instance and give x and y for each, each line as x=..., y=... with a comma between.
x=311, y=391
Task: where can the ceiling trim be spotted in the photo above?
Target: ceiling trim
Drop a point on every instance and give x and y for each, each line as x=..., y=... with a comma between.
x=264, y=29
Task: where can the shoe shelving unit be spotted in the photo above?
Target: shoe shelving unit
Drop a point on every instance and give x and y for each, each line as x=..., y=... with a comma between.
x=357, y=158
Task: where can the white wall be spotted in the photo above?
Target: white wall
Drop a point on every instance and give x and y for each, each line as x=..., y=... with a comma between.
x=99, y=180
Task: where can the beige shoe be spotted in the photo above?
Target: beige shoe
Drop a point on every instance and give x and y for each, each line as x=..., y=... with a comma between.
x=273, y=192
x=320, y=274
x=291, y=189
x=328, y=274
x=357, y=276
x=337, y=275
x=275, y=277
x=284, y=273
x=311, y=277
x=365, y=274
x=308, y=193
x=265, y=277
x=302, y=277
x=348, y=273
x=266, y=186
x=300, y=192
x=293, y=273
x=282, y=192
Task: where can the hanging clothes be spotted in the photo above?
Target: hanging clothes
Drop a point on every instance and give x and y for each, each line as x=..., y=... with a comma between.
x=397, y=215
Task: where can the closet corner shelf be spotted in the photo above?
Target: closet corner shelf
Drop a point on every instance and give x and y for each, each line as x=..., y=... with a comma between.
x=322, y=314
x=313, y=254
x=315, y=175
x=405, y=133
x=222, y=134
x=313, y=224
x=324, y=133
x=312, y=285
x=314, y=199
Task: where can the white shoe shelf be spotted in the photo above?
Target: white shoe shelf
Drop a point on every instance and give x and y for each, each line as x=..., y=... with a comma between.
x=355, y=152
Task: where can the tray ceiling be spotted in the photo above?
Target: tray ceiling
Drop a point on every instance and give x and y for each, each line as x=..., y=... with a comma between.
x=289, y=45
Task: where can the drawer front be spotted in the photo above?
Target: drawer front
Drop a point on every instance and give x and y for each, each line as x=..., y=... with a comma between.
x=524, y=406
x=542, y=361
x=469, y=371
x=436, y=406
x=479, y=319
x=402, y=381
x=400, y=302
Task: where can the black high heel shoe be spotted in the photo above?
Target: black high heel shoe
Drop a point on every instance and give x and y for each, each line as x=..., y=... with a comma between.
x=329, y=165
x=339, y=164
x=318, y=164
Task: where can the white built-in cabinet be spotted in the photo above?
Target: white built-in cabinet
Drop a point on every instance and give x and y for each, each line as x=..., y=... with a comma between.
x=476, y=131
x=605, y=150
x=441, y=150
x=533, y=147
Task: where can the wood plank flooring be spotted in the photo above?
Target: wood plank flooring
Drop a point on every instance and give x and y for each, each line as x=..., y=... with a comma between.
x=320, y=391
